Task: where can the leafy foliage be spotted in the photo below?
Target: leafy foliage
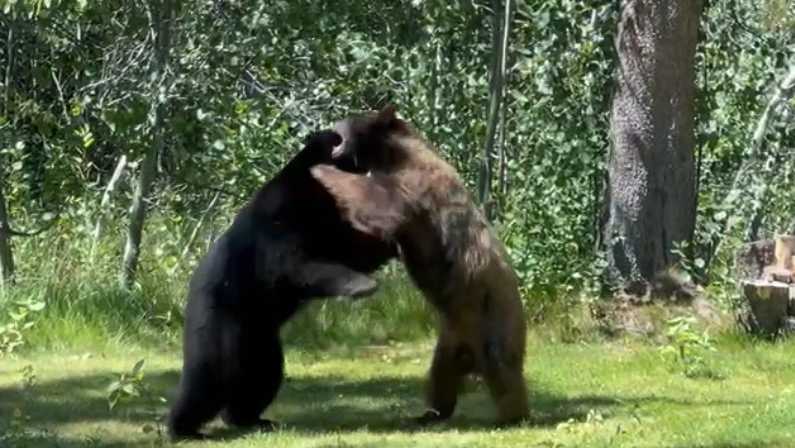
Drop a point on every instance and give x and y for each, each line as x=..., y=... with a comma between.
x=249, y=79
x=21, y=318
x=686, y=347
x=129, y=385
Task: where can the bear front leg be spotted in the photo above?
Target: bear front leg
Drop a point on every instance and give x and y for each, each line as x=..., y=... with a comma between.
x=372, y=205
x=317, y=279
x=197, y=402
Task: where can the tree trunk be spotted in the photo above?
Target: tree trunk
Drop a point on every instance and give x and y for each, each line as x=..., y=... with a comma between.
x=502, y=180
x=651, y=173
x=161, y=15
x=433, y=93
x=502, y=29
x=109, y=189
x=6, y=253
x=135, y=230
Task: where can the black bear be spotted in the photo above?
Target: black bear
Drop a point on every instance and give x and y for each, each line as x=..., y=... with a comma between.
x=288, y=245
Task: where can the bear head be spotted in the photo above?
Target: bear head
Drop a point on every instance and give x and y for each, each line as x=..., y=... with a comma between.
x=368, y=140
x=301, y=204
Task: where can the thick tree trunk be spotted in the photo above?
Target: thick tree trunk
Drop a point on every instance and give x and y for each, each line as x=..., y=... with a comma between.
x=651, y=171
x=161, y=15
x=6, y=254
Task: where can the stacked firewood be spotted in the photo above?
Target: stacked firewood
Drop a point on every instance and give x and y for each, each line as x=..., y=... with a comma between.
x=771, y=295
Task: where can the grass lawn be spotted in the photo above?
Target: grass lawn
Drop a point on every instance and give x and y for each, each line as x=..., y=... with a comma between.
x=592, y=395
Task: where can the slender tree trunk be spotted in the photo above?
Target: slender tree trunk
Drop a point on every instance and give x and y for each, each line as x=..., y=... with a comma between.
x=651, y=173
x=109, y=189
x=783, y=93
x=161, y=15
x=433, y=93
x=502, y=29
x=502, y=182
x=135, y=230
x=6, y=253
x=9, y=62
x=195, y=233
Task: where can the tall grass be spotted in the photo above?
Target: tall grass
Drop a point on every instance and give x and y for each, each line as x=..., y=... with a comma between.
x=397, y=312
x=86, y=308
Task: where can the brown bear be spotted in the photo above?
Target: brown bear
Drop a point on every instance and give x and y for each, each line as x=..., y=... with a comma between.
x=412, y=196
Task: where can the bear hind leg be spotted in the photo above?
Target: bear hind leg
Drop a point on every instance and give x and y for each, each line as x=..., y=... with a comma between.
x=252, y=394
x=452, y=361
x=506, y=383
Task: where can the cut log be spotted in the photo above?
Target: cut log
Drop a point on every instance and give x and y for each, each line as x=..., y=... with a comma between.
x=789, y=325
x=778, y=274
x=769, y=302
x=752, y=258
x=791, y=310
x=785, y=248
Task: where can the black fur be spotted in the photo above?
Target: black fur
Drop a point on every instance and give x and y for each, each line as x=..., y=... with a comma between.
x=286, y=246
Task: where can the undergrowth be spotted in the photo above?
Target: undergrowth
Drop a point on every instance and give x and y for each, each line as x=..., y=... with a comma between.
x=72, y=298
x=67, y=295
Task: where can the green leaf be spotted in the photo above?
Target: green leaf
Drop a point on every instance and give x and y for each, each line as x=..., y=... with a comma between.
x=36, y=306
x=138, y=366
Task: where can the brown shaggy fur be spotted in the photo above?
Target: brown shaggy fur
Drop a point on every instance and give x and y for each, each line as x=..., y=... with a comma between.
x=417, y=199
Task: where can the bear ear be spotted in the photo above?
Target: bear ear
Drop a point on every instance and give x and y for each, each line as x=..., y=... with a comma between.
x=387, y=115
x=325, y=138
x=335, y=139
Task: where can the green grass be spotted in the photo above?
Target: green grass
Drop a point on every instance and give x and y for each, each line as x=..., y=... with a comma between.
x=586, y=394
x=356, y=373
x=84, y=309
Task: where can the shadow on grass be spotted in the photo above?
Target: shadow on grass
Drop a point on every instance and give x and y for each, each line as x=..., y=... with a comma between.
x=305, y=405
x=754, y=444
x=48, y=439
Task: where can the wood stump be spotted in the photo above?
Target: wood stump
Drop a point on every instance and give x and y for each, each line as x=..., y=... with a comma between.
x=752, y=258
x=769, y=304
x=768, y=284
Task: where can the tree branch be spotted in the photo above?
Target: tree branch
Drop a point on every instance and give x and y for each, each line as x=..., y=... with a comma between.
x=195, y=232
